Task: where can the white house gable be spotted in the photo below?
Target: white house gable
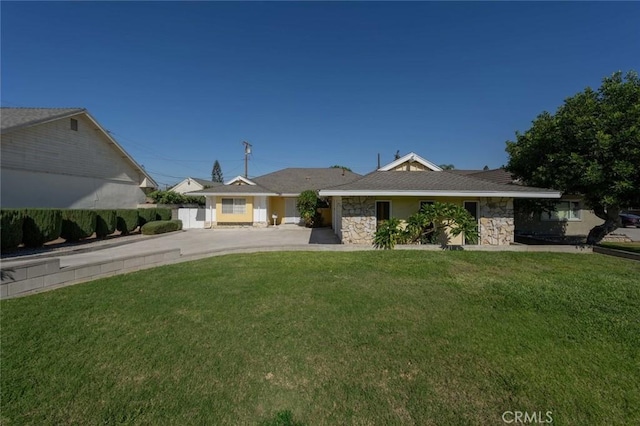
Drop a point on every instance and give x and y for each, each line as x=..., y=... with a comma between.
x=411, y=162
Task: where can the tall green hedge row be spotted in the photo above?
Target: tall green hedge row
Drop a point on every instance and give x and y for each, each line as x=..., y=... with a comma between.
x=78, y=224
x=163, y=214
x=146, y=215
x=106, y=221
x=11, y=221
x=41, y=226
x=127, y=220
x=34, y=227
x=153, y=214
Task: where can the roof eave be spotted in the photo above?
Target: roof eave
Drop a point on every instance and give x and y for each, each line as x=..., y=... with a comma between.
x=423, y=193
x=44, y=121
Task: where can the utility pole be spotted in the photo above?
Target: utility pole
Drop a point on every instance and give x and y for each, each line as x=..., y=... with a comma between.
x=247, y=151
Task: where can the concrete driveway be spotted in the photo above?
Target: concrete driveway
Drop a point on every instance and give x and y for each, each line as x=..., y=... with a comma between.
x=633, y=233
x=195, y=241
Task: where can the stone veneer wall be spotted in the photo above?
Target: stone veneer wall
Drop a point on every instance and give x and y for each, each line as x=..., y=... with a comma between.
x=496, y=221
x=358, y=220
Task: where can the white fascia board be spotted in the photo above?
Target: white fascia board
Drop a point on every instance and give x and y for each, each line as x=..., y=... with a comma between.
x=240, y=178
x=413, y=157
x=289, y=194
x=232, y=194
x=510, y=194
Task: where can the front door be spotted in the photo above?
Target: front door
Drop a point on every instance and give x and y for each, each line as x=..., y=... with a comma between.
x=383, y=212
x=291, y=213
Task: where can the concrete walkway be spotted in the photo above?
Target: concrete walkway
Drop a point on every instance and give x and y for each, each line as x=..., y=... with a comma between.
x=73, y=265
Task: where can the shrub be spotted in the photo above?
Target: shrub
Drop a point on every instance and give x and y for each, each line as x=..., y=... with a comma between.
x=307, y=205
x=78, y=224
x=163, y=214
x=146, y=215
x=11, y=221
x=388, y=234
x=171, y=197
x=161, y=226
x=434, y=222
x=106, y=222
x=126, y=220
x=41, y=226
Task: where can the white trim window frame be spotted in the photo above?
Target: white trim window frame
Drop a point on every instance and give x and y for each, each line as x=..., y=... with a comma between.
x=565, y=211
x=234, y=205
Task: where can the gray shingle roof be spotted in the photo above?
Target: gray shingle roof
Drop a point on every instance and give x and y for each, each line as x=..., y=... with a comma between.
x=297, y=180
x=12, y=118
x=221, y=189
x=495, y=175
x=206, y=182
x=444, y=181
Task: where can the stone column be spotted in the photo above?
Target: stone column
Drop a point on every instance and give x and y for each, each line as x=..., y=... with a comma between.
x=358, y=220
x=496, y=221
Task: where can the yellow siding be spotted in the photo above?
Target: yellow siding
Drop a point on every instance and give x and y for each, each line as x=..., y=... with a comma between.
x=326, y=216
x=412, y=166
x=247, y=217
x=276, y=205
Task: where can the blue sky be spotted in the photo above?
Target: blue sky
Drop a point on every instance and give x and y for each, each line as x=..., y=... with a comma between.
x=310, y=84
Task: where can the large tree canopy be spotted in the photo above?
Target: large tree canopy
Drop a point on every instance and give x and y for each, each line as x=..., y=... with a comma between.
x=590, y=146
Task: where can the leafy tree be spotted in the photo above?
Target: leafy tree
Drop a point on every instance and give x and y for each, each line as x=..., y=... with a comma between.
x=434, y=222
x=216, y=173
x=447, y=166
x=485, y=168
x=590, y=146
x=341, y=167
x=307, y=204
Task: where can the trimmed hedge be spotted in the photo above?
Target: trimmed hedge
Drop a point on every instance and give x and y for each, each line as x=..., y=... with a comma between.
x=78, y=224
x=126, y=220
x=163, y=214
x=106, y=221
x=41, y=226
x=161, y=226
x=147, y=215
x=11, y=221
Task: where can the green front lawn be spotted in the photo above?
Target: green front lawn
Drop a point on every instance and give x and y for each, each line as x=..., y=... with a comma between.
x=400, y=337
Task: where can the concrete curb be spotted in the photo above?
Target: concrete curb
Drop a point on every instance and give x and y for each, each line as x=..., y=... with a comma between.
x=70, y=250
x=38, y=275
x=617, y=253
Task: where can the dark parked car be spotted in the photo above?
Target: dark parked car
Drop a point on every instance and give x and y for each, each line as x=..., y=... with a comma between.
x=629, y=219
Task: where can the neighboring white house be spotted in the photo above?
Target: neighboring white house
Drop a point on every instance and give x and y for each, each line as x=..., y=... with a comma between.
x=62, y=158
x=193, y=184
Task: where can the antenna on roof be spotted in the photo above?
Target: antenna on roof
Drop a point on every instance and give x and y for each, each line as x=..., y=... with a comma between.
x=397, y=155
x=378, y=160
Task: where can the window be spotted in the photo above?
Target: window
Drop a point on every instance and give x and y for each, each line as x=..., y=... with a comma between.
x=383, y=212
x=234, y=206
x=564, y=210
x=423, y=203
x=74, y=124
